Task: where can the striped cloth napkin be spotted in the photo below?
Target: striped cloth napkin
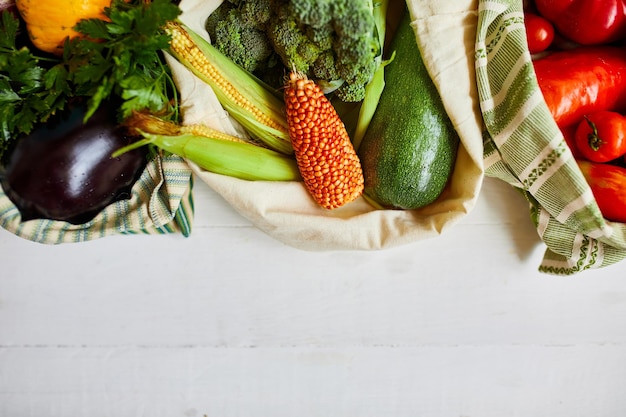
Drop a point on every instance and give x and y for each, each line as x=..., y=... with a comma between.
x=161, y=202
x=524, y=147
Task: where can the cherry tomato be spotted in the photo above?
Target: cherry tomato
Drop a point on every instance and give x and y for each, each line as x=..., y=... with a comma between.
x=539, y=32
x=601, y=136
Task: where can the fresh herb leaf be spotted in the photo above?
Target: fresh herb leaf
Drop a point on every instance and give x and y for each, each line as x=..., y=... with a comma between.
x=9, y=26
x=7, y=95
x=127, y=56
x=118, y=57
x=94, y=28
x=24, y=95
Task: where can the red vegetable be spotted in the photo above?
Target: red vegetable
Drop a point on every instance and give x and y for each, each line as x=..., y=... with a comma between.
x=608, y=184
x=569, y=133
x=601, y=136
x=539, y=32
x=587, y=22
x=582, y=81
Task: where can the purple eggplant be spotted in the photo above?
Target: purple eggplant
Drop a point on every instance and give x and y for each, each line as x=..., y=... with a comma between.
x=64, y=170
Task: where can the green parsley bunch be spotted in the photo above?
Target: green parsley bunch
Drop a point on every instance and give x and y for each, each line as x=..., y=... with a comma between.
x=120, y=58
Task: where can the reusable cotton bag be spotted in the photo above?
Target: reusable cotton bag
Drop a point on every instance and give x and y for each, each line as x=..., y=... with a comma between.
x=524, y=147
x=445, y=32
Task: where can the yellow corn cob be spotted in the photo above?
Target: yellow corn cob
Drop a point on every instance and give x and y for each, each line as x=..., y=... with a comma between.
x=203, y=130
x=149, y=123
x=326, y=158
x=211, y=149
x=242, y=95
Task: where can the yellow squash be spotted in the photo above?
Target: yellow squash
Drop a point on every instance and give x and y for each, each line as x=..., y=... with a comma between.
x=50, y=22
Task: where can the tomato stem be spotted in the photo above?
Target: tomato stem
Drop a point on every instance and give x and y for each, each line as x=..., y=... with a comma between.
x=595, y=142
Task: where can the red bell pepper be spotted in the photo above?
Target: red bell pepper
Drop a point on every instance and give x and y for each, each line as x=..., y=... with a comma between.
x=587, y=22
x=608, y=184
x=582, y=81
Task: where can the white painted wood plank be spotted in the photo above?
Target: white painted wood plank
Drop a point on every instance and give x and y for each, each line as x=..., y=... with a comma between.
x=485, y=381
x=237, y=292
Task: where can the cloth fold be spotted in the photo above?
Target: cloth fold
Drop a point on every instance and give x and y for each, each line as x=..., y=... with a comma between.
x=524, y=147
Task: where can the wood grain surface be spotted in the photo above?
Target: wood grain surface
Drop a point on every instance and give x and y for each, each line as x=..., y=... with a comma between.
x=229, y=322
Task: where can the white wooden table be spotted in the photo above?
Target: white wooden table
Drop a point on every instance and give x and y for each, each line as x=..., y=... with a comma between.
x=229, y=322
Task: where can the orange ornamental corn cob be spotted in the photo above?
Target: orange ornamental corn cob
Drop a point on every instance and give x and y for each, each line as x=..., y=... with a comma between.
x=326, y=158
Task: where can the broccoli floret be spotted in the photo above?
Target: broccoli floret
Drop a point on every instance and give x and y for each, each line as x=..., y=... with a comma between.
x=350, y=92
x=356, y=22
x=324, y=67
x=349, y=60
x=255, y=13
x=315, y=13
x=237, y=29
x=289, y=41
x=322, y=36
x=217, y=16
x=247, y=46
x=308, y=51
x=356, y=47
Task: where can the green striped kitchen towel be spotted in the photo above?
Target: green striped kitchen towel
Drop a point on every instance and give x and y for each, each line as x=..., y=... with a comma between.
x=161, y=202
x=524, y=147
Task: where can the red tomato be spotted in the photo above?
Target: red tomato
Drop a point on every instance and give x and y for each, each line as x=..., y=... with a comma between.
x=601, y=136
x=539, y=32
x=608, y=185
x=586, y=22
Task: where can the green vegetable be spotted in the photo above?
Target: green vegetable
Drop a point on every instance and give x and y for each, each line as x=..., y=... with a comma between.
x=235, y=159
x=334, y=42
x=410, y=146
x=239, y=33
x=376, y=85
x=250, y=102
x=120, y=58
x=212, y=150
